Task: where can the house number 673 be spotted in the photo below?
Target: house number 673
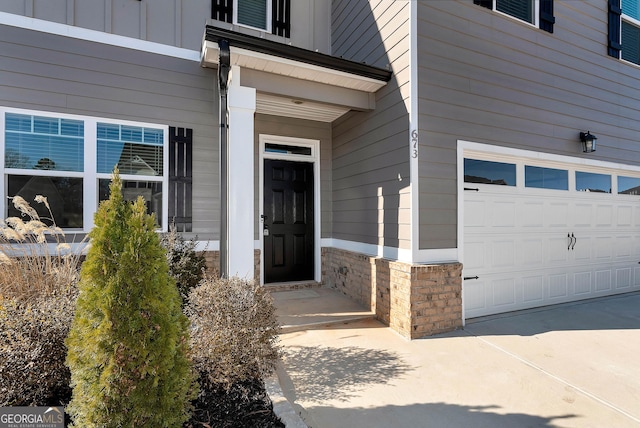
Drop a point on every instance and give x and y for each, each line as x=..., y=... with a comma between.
x=414, y=143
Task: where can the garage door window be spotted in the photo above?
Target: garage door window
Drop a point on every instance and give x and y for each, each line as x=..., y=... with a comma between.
x=487, y=172
x=546, y=178
x=591, y=182
x=628, y=185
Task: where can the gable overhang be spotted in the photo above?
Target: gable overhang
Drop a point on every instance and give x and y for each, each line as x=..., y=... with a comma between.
x=296, y=82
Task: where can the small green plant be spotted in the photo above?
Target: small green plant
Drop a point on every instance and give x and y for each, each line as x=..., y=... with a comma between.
x=186, y=266
x=129, y=342
x=234, y=331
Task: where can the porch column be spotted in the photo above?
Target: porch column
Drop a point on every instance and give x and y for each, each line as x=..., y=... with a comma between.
x=242, y=106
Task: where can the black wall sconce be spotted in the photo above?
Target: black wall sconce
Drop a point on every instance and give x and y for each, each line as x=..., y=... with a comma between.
x=588, y=142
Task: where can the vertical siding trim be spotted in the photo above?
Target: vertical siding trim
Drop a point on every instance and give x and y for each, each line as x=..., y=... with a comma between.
x=108, y=12
x=70, y=12
x=177, y=24
x=614, y=46
x=414, y=131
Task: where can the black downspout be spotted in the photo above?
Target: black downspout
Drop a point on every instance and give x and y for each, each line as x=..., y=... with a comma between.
x=223, y=86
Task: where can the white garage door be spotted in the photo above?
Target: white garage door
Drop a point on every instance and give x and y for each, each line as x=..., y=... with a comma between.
x=533, y=239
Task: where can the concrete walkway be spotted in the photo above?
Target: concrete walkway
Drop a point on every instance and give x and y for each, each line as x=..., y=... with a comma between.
x=575, y=365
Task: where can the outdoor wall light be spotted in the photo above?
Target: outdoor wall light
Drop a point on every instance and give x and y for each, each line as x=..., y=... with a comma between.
x=588, y=142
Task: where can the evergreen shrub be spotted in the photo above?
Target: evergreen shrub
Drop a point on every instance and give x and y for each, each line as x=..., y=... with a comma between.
x=129, y=343
x=186, y=265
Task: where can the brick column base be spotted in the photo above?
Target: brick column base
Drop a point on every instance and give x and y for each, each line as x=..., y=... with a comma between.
x=415, y=300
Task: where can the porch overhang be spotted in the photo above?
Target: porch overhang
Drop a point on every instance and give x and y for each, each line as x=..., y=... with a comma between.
x=296, y=82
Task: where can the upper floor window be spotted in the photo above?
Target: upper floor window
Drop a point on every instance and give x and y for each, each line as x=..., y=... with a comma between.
x=273, y=16
x=631, y=31
x=535, y=12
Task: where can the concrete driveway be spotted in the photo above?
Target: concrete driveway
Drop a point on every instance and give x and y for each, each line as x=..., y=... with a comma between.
x=575, y=365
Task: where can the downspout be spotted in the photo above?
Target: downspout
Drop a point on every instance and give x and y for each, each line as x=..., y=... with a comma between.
x=223, y=85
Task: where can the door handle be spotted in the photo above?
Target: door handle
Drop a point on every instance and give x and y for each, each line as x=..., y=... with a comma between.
x=570, y=241
x=466, y=278
x=574, y=241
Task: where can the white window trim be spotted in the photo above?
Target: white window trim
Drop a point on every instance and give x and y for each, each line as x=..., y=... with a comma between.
x=90, y=175
x=536, y=14
x=268, y=26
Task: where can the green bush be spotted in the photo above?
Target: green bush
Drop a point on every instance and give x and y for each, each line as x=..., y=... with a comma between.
x=186, y=266
x=32, y=351
x=234, y=331
x=129, y=343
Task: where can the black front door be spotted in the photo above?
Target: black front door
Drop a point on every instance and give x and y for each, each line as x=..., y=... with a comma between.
x=288, y=221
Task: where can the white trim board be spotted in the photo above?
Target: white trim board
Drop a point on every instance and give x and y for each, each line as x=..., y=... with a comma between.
x=65, y=30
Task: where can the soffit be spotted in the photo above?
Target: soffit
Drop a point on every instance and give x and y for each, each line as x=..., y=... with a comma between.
x=297, y=108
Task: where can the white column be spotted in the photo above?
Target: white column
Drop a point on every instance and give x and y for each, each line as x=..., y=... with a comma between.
x=241, y=174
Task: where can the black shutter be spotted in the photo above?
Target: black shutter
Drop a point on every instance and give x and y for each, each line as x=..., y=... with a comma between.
x=546, y=15
x=222, y=10
x=484, y=3
x=614, y=28
x=281, y=18
x=180, y=178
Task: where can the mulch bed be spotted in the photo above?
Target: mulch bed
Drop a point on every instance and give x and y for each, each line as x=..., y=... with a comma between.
x=245, y=405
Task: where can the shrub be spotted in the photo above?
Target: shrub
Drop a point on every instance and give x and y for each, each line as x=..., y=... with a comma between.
x=185, y=265
x=129, y=343
x=38, y=275
x=234, y=331
x=32, y=351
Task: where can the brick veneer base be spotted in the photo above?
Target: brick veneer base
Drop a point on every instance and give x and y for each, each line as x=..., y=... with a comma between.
x=415, y=300
x=213, y=263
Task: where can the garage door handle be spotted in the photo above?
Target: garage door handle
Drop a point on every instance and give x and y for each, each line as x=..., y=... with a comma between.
x=472, y=188
x=574, y=241
x=466, y=278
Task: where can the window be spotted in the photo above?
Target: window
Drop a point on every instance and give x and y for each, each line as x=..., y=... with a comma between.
x=628, y=185
x=630, y=26
x=535, y=12
x=69, y=159
x=270, y=15
x=591, y=182
x=546, y=178
x=486, y=172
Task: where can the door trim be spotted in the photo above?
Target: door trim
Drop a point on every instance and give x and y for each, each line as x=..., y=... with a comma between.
x=313, y=158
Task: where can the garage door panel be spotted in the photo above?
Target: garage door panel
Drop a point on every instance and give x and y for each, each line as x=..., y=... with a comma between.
x=604, y=216
x=603, y=280
x=474, y=255
x=582, y=214
x=558, y=286
x=623, y=278
x=636, y=277
x=531, y=253
x=557, y=215
x=531, y=214
x=503, y=214
x=581, y=251
x=474, y=214
x=624, y=216
x=558, y=249
x=475, y=301
x=603, y=246
x=582, y=283
x=504, y=292
x=624, y=247
x=503, y=254
x=533, y=290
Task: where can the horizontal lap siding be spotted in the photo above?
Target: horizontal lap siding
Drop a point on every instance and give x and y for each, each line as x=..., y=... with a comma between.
x=487, y=78
x=371, y=201
x=58, y=74
x=299, y=128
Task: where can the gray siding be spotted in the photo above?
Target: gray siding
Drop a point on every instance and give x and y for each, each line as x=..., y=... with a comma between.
x=178, y=23
x=488, y=78
x=371, y=149
x=57, y=74
x=286, y=127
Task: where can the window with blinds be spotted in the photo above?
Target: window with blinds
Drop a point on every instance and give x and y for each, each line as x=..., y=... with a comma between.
x=535, y=12
x=630, y=31
x=521, y=9
x=253, y=13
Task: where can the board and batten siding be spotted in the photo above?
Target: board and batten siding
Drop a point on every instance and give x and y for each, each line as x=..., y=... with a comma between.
x=370, y=156
x=179, y=23
x=488, y=78
x=58, y=74
x=298, y=128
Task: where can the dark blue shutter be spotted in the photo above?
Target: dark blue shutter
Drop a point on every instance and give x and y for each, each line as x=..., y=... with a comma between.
x=484, y=3
x=180, y=178
x=222, y=10
x=614, y=28
x=546, y=15
x=281, y=17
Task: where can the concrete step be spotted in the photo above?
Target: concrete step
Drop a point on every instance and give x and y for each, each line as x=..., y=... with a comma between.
x=315, y=308
x=288, y=286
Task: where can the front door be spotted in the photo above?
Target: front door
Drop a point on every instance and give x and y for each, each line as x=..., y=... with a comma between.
x=288, y=221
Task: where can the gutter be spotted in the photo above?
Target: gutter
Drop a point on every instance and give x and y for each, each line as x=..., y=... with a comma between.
x=223, y=85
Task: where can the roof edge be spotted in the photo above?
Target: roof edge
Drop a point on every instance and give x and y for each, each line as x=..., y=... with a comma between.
x=269, y=47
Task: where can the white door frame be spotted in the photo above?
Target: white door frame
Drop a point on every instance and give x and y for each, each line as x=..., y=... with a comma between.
x=313, y=158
